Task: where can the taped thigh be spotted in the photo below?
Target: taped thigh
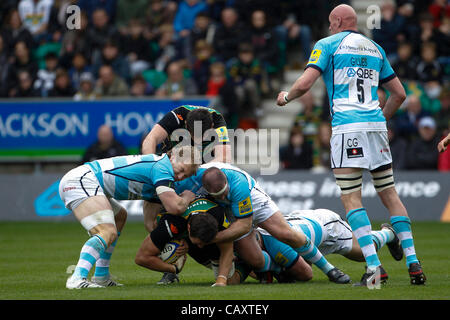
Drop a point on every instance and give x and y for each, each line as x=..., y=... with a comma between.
x=383, y=180
x=349, y=182
x=97, y=218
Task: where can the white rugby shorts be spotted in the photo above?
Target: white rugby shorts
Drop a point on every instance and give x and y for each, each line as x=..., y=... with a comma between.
x=366, y=150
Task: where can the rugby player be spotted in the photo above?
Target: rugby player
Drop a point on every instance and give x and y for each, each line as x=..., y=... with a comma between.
x=331, y=235
x=353, y=66
x=197, y=226
x=90, y=191
x=250, y=205
x=185, y=117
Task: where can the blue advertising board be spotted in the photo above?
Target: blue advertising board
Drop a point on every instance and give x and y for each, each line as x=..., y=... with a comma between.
x=48, y=128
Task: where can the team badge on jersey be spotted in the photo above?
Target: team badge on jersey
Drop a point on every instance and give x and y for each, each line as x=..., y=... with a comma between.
x=245, y=207
x=315, y=56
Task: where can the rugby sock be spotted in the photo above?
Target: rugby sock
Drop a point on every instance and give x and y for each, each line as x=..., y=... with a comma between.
x=402, y=226
x=102, y=264
x=381, y=237
x=90, y=253
x=269, y=264
x=310, y=253
x=360, y=224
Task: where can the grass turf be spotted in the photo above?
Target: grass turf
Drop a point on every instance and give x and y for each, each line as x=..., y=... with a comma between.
x=34, y=258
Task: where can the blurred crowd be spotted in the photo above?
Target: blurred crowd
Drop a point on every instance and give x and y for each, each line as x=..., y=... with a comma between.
x=233, y=51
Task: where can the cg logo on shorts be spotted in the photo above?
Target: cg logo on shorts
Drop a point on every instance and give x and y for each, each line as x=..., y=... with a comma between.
x=353, y=151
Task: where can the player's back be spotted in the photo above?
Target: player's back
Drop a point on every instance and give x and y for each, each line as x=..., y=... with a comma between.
x=132, y=177
x=352, y=66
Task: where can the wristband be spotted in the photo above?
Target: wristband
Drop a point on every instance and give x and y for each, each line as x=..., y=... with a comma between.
x=222, y=276
x=286, y=98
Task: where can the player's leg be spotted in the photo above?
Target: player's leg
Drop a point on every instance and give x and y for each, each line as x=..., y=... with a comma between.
x=350, y=182
x=399, y=220
x=102, y=275
x=278, y=227
x=97, y=217
x=248, y=249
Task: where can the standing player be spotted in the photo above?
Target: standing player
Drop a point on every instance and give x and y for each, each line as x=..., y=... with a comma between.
x=185, y=117
x=353, y=67
x=90, y=189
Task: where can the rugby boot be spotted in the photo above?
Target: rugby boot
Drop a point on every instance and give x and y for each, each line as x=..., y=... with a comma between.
x=369, y=277
x=395, y=247
x=416, y=274
x=168, y=278
x=80, y=283
x=337, y=276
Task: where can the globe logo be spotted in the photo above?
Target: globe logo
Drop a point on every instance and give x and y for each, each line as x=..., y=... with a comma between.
x=351, y=72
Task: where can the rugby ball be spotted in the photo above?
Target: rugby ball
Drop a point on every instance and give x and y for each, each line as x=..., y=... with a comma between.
x=168, y=254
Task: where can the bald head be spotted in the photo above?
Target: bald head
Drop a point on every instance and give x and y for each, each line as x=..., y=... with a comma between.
x=214, y=181
x=343, y=17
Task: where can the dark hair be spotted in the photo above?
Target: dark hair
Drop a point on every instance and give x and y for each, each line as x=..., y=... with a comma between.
x=203, y=226
x=202, y=115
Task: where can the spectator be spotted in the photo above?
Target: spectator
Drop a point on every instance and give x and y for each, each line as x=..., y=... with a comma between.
x=166, y=47
x=229, y=34
x=298, y=153
x=128, y=10
x=159, y=13
x=137, y=48
x=86, y=89
x=406, y=64
x=25, y=86
x=392, y=24
x=35, y=15
x=200, y=68
x=216, y=80
x=443, y=116
x=91, y=6
x=429, y=69
x=322, y=154
x=264, y=40
x=177, y=86
x=79, y=66
x=247, y=75
x=106, y=146
x=309, y=117
x=109, y=84
x=423, y=153
x=439, y=9
x=14, y=31
x=21, y=61
x=203, y=29
x=444, y=157
x=74, y=41
x=58, y=18
x=398, y=147
x=185, y=16
x=140, y=88
x=100, y=31
x=406, y=123
x=111, y=55
x=4, y=67
x=62, y=86
x=46, y=77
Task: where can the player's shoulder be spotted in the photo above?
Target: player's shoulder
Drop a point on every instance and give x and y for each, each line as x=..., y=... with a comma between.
x=332, y=41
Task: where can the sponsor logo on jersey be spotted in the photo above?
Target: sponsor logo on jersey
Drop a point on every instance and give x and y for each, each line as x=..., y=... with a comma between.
x=355, y=153
x=245, y=207
x=281, y=259
x=315, y=55
x=222, y=133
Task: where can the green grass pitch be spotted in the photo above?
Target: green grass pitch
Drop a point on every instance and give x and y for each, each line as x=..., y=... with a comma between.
x=34, y=258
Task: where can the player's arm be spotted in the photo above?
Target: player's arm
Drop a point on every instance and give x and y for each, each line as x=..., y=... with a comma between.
x=147, y=257
x=222, y=153
x=174, y=203
x=225, y=262
x=300, y=86
x=236, y=229
x=157, y=135
x=396, y=98
x=442, y=146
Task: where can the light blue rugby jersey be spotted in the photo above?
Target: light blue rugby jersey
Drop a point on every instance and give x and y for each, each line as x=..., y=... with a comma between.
x=239, y=182
x=352, y=67
x=133, y=177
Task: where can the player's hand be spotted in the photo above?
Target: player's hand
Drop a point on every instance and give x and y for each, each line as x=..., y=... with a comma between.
x=188, y=195
x=281, y=99
x=183, y=248
x=442, y=146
